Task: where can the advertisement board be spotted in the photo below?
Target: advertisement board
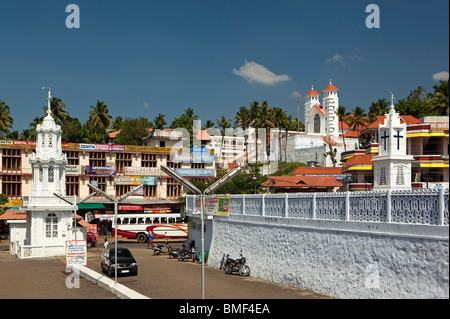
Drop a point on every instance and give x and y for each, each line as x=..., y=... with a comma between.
x=76, y=252
x=136, y=180
x=195, y=172
x=99, y=170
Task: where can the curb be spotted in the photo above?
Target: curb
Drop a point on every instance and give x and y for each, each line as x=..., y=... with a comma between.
x=109, y=284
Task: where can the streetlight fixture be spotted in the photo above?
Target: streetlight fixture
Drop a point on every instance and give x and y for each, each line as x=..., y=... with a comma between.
x=116, y=201
x=195, y=190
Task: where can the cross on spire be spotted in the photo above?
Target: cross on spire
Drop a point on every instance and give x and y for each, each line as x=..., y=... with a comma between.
x=392, y=99
x=385, y=137
x=49, y=112
x=398, y=136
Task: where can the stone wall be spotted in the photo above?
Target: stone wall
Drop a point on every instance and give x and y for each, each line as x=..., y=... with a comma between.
x=339, y=259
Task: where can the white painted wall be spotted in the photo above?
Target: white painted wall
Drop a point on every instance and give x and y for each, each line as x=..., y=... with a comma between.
x=338, y=258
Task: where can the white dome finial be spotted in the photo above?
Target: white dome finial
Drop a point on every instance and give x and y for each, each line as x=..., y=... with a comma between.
x=49, y=112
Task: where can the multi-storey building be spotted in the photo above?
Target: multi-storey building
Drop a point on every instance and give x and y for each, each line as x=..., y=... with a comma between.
x=115, y=169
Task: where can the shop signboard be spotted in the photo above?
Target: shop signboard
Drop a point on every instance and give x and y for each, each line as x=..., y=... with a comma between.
x=99, y=170
x=195, y=172
x=136, y=180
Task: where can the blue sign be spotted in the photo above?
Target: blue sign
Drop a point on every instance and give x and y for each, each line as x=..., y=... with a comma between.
x=195, y=172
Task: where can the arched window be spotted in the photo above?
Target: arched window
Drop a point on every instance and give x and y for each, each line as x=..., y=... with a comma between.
x=51, y=226
x=51, y=174
x=317, y=123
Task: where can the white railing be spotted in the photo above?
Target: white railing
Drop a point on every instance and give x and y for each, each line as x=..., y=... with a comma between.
x=426, y=207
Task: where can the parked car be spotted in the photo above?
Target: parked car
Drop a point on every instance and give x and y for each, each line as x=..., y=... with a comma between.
x=126, y=264
x=91, y=239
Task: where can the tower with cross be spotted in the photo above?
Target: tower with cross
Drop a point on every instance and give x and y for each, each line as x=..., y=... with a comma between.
x=392, y=166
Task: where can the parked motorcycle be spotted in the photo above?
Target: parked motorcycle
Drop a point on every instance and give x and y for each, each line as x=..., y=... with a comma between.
x=187, y=254
x=158, y=249
x=235, y=265
x=173, y=252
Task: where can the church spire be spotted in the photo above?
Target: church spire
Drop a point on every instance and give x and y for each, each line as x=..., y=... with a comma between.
x=392, y=100
x=49, y=111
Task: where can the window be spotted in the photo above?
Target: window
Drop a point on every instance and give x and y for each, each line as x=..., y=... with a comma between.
x=12, y=186
x=11, y=160
x=317, y=123
x=51, y=226
x=197, y=165
x=148, y=160
x=97, y=159
x=123, y=189
x=72, y=186
x=172, y=164
x=150, y=191
x=51, y=174
x=100, y=181
x=173, y=188
x=50, y=140
x=122, y=160
x=73, y=158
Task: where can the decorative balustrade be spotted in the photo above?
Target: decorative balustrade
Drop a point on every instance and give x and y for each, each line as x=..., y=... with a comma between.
x=426, y=207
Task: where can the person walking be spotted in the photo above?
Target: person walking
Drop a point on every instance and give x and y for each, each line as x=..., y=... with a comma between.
x=149, y=238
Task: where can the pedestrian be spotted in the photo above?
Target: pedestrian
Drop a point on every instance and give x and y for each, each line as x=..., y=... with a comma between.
x=105, y=245
x=150, y=238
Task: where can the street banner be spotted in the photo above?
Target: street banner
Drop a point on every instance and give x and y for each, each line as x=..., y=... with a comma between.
x=99, y=170
x=76, y=252
x=223, y=206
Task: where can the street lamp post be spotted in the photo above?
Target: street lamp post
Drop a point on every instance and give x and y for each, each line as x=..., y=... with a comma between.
x=116, y=201
x=195, y=190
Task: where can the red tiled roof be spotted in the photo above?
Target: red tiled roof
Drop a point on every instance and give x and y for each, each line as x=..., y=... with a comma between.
x=316, y=171
x=202, y=135
x=12, y=214
x=365, y=159
x=330, y=87
x=312, y=92
x=319, y=108
x=409, y=119
x=303, y=181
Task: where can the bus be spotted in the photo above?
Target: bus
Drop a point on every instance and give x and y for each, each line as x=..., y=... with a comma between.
x=137, y=226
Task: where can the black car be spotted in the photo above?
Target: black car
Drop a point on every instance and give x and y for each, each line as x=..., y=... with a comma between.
x=125, y=261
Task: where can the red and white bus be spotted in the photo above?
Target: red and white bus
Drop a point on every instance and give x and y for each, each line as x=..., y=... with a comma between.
x=137, y=226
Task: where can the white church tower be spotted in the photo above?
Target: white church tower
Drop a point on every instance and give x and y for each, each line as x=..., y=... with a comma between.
x=392, y=166
x=49, y=219
x=330, y=105
x=313, y=113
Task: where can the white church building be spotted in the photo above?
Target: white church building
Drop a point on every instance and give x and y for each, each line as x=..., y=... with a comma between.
x=49, y=219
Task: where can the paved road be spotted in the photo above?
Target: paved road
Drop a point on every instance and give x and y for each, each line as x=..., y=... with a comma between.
x=42, y=278
x=163, y=277
x=159, y=277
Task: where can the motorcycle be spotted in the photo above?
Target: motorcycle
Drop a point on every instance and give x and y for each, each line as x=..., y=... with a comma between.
x=235, y=265
x=173, y=252
x=158, y=249
x=186, y=254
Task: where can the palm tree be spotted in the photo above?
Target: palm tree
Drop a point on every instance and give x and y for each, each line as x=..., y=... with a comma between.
x=208, y=124
x=223, y=123
x=159, y=121
x=242, y=117
x=98, y=115
x=439, y=100
x=278, y=119
x=264, y=120
x=342, y=115
x=6, y=121
x=380, y=107
x=57, y=106
x=26, y=135
x=116, y=125
x=358, y=120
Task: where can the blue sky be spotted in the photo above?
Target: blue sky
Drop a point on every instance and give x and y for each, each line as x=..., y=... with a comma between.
x=148, y=57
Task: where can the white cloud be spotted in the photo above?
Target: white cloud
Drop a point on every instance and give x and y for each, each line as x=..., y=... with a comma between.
x=343, y=60
x=296, y=94
x=146, y=105
x=337, y=58
x=254, y=72
x=440, y=76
